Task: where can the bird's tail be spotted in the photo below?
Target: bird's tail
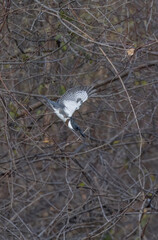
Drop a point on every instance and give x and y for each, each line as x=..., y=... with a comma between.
x=48, y=102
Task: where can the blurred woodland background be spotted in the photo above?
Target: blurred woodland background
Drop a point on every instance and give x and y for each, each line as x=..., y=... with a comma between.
x=53, y=184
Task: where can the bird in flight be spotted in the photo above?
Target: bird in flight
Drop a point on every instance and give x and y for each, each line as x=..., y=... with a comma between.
x=68, y=103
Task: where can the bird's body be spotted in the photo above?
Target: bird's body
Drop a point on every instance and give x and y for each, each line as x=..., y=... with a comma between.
x=71, y=101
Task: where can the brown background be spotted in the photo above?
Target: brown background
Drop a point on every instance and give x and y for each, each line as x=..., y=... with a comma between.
x=53, y=184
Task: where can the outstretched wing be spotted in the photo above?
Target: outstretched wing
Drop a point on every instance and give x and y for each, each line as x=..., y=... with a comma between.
x=74, y=97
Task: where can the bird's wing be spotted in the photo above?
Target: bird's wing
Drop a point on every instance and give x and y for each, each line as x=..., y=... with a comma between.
x=74, y=97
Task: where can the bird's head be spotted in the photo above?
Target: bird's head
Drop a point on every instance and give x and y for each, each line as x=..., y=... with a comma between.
x=74, y=127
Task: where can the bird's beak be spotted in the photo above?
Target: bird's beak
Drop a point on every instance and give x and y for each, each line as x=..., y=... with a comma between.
x=75, y=129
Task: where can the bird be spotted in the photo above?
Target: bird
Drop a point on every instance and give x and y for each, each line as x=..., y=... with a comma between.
x=68, y=103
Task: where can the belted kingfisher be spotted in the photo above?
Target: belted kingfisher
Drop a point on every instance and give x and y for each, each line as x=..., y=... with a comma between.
x=67, y=104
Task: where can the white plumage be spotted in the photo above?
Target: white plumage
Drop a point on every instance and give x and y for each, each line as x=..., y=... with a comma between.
x=71, y=101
